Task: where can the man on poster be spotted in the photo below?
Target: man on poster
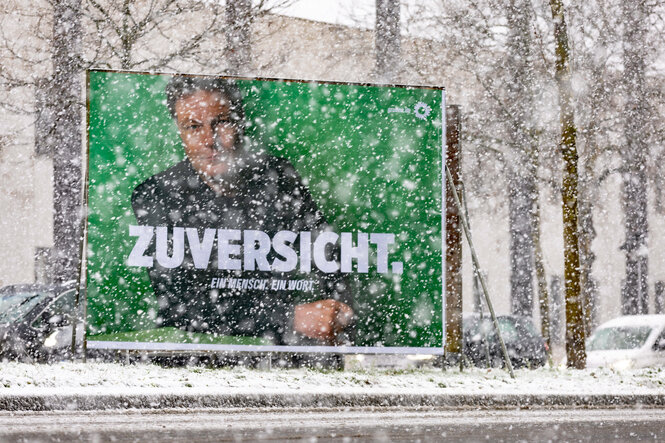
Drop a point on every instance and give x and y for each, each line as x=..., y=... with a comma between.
x=226, y=185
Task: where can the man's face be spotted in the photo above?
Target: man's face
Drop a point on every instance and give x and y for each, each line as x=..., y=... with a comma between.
x=207, y=131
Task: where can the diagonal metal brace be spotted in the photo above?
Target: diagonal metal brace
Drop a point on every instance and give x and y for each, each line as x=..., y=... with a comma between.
x=476, y=266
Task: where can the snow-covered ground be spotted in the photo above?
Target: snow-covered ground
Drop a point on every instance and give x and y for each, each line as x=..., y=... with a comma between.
x=112, y=378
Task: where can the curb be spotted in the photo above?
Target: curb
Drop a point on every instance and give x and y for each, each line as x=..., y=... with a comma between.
x=313, y=400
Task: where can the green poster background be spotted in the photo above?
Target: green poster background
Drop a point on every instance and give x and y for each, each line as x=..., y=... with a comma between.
x=370, y=155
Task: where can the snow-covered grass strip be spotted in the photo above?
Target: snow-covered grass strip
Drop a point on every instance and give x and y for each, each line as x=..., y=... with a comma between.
x=103, y=378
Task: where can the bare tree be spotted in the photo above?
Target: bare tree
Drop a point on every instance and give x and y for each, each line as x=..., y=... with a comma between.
x=522, y=175
x=594, y=41
x=635, y=295
x=575, y=331
x=387, y=39
x=151, y=35
x=66, y=140
x=237, y=31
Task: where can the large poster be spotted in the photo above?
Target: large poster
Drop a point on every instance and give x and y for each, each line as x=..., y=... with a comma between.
x=250, y=214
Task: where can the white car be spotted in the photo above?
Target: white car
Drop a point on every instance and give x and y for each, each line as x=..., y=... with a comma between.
x=631, y=341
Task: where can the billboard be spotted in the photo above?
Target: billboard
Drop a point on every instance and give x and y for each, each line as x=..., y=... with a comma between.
x=260, y=214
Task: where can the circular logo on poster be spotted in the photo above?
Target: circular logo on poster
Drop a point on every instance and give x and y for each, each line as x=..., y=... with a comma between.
x=421, y=110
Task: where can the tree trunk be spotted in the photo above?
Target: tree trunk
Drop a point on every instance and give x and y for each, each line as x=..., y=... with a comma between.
x=521, y=204
x=557, y=316
x=635, y=292
x=127, y=39
x=541, y=278
x=522, y=180
x=238, y=31
x=575, y=331
x=387, y=40
x=587, y=233
x=67, y=142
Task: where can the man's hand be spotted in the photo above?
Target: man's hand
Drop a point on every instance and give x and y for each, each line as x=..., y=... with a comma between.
x=322, y=319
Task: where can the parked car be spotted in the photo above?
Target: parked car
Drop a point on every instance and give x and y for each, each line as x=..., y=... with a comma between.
x=525, y=345
x=631, y=341
x=36, y=321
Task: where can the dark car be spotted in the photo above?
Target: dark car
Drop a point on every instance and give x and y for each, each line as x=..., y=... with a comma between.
x=525, y=345
x=36, y=321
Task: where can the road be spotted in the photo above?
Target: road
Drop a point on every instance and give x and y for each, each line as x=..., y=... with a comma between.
x=323, y=425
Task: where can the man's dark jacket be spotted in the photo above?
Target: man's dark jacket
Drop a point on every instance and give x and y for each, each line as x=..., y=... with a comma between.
x=270, y=197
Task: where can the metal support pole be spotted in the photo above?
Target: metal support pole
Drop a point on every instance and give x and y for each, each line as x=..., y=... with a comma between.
x=476, y=265
x=453, y=333
x=80, y=308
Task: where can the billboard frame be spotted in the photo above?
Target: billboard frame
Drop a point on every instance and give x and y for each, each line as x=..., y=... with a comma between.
x=232, y=348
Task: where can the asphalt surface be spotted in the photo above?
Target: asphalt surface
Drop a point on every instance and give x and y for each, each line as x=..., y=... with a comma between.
x=322, y=425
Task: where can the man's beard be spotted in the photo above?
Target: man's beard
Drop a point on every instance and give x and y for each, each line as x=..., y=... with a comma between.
x=236, y=160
